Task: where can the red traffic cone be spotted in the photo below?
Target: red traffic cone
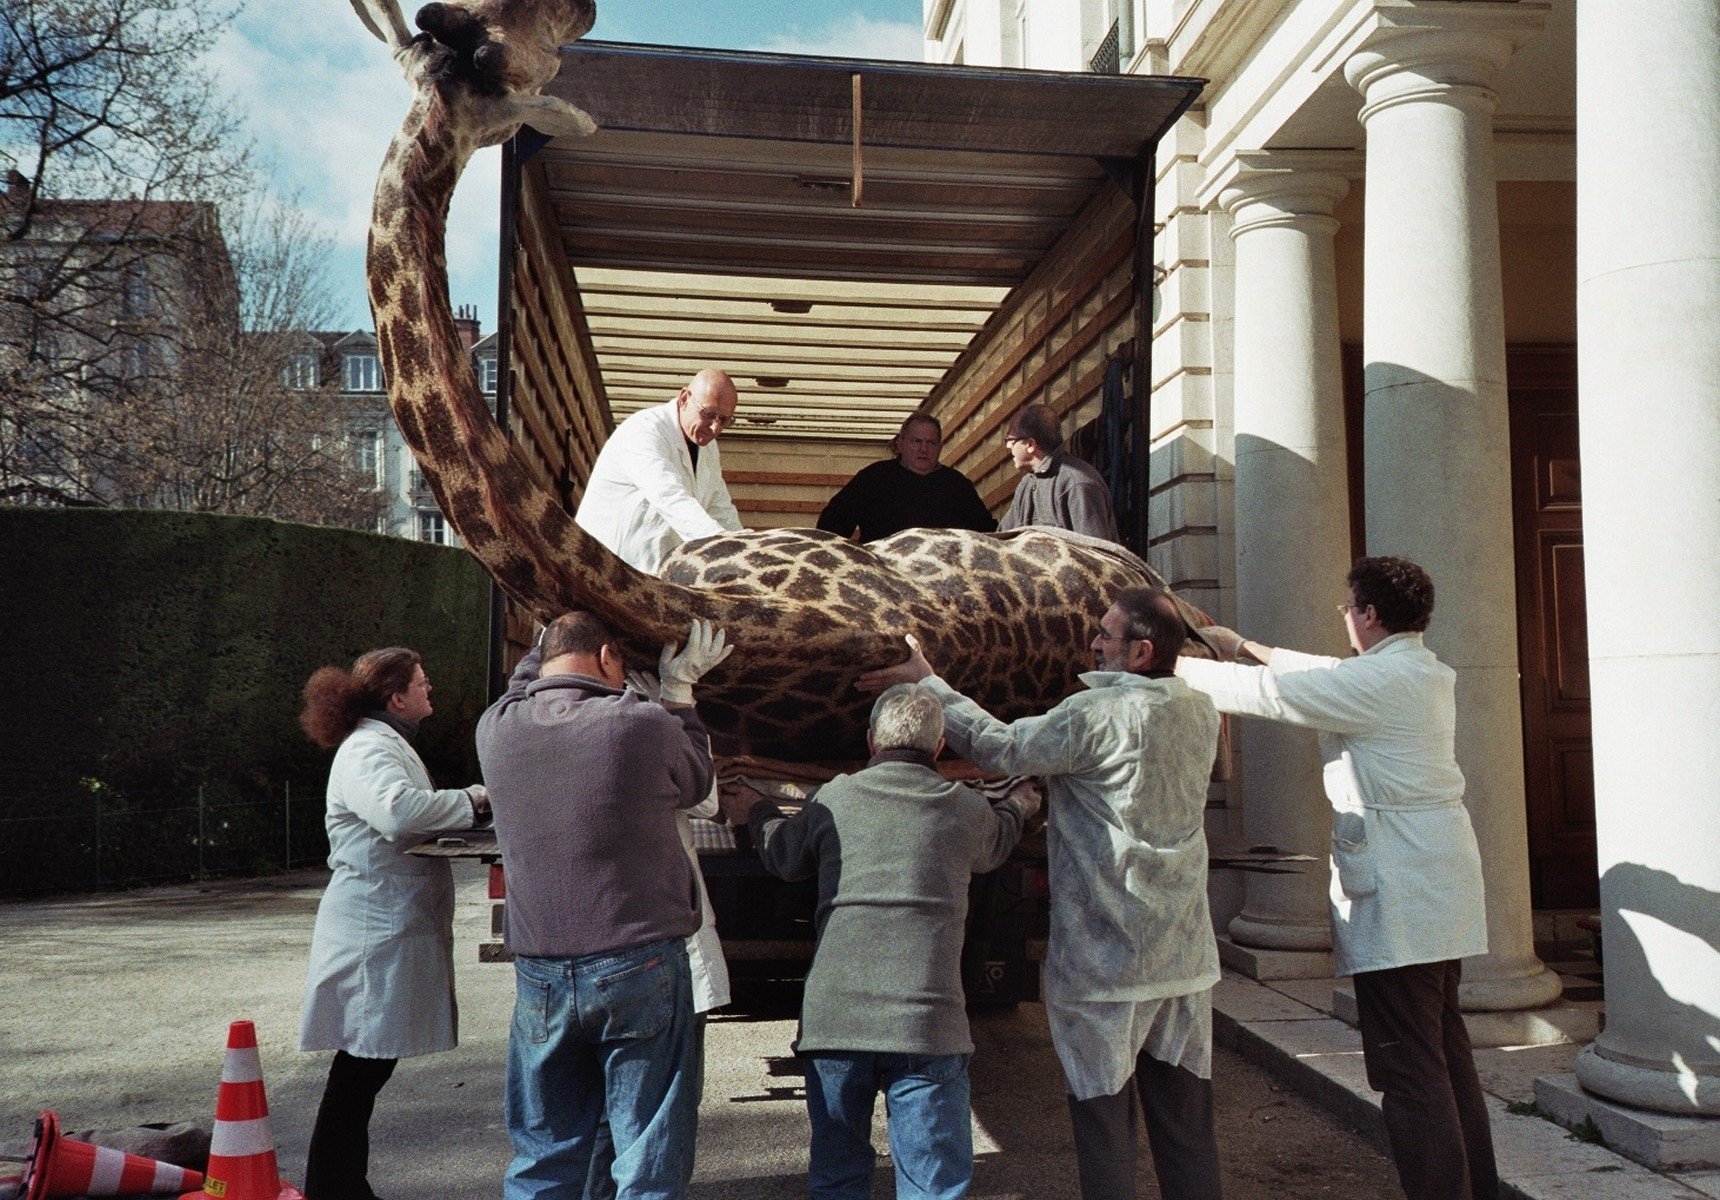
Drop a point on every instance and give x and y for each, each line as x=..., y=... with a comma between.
x=242, y=1151
x=60, y=1166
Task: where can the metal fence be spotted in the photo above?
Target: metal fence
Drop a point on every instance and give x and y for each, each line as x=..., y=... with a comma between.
x=86, y=835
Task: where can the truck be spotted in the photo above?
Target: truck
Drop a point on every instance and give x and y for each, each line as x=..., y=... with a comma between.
x=852, y=241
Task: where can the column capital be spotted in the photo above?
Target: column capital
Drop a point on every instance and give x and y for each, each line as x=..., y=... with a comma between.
x=1449, y=49
x=1258, y=187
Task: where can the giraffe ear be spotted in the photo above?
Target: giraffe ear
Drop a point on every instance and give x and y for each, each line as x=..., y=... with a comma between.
x=554, y=116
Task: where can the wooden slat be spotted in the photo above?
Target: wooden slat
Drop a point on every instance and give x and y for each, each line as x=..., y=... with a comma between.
x=652, y=330
x=769, y=360
x=811, y=507
x=757, y=312
x=1091, y=332
x=597, y=282
x=786, y=478
x=1117, y=253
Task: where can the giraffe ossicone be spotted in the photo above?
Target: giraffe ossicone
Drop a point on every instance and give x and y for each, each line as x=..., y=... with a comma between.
x=1005, y=618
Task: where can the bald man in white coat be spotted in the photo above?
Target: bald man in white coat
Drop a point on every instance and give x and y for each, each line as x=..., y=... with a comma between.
x=658, y=481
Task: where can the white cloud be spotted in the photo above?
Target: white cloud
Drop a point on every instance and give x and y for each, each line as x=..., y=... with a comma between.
x=853, y=36
x=322, y=97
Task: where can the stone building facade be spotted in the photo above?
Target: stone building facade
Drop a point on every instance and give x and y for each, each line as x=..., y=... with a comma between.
x=1397, y=313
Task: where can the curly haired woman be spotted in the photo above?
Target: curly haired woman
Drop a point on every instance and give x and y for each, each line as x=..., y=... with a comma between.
x=381, y=981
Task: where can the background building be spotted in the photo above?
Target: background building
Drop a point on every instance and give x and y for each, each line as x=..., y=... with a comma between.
x=347, y=365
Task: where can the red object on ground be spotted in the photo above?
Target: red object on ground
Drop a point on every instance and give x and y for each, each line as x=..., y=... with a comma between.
x=61, y=1166
x=242, y=1151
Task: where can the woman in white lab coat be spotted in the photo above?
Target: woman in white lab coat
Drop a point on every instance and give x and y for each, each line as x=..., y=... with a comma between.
x=381, y=981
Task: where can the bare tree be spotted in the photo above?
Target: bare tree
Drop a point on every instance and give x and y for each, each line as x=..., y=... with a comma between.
x=238, y=431
x=142, y=345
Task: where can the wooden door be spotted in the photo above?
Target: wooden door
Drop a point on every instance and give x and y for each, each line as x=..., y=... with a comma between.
x=1552, y=625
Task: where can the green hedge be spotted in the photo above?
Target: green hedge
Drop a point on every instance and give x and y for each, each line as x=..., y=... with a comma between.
x=150, y=654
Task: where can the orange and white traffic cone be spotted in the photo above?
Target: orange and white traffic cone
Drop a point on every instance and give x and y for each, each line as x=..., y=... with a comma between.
x=62, y=1166
x=242, y=1150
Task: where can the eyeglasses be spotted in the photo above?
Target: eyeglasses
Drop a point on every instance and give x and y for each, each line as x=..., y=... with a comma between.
x=1105, y=636
x=1009, y=439
x=1344, y=608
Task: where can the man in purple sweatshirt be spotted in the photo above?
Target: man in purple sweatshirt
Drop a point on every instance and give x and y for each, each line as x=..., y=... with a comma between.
x=584, y=778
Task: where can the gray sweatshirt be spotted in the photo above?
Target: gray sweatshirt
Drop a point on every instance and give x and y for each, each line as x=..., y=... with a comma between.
x=584, y=780
x=893, y=846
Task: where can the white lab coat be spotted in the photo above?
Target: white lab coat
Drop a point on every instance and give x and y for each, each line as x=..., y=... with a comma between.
x=1126, y=765
x=381, y=976
x=644, y=498
x=1406, y=870
x=704, y=949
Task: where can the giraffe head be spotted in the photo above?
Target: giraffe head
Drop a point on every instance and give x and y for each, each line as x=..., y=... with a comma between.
x=503, y=47
x=488, y=61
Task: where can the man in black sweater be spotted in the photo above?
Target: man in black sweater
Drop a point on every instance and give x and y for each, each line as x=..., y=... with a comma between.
x=908, y=491
x=584, y=780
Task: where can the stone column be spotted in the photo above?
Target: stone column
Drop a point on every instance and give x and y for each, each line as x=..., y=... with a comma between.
x=1648, y=286
x=1437, y=472
x=1292, y=520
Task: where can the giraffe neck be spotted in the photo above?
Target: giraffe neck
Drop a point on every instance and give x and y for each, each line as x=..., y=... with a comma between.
x=511, y=524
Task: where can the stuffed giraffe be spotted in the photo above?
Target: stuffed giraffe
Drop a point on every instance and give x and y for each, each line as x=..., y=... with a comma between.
x=1007, y=618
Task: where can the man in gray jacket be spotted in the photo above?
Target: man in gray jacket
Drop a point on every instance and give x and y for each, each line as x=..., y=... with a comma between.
x=1056, y=488
x=893, y=846
x=1131, y=960
x=584, y=779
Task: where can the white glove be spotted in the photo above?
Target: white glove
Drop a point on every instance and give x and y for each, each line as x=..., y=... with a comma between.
x=479, y=795
x=706, y=647
x=1026, y=798
x=645, y=684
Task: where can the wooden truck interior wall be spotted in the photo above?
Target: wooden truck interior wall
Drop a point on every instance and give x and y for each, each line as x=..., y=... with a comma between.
x=1048, y=343
x=558, y=412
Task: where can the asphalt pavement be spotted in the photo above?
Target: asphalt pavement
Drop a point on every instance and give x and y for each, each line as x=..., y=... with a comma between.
x=114, y=1011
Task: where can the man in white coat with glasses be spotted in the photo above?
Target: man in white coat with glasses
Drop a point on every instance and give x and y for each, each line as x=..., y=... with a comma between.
x=1406, y=892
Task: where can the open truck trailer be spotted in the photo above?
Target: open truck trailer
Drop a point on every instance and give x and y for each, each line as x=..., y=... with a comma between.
x=852, y=241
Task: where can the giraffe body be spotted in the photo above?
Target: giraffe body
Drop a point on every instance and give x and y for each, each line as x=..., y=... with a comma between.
x=1007, y=618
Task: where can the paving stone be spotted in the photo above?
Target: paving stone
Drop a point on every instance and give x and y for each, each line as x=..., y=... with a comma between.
x=1315, y=993
x=1262, y=964
x=1703, y=1183
x=1662, y=1141
x=1246, y=1000
x=1510, y=1072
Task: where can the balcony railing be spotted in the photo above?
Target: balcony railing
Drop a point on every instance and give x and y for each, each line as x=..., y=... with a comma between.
x=1107, y=59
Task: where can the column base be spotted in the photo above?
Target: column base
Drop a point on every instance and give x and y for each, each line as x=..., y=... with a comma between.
x=1555, y=1025
x=1696, y=1096
x=1533, y=987
x=1259, y=962
x=1250, y=930
x=1657, y=1140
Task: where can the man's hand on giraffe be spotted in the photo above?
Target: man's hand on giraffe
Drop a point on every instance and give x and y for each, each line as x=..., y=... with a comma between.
x=912, y=670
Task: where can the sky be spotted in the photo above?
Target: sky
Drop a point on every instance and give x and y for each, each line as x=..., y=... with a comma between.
x=321, y=98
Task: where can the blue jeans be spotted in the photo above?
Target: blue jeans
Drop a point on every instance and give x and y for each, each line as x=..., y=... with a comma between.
x=931, y=1135
x=600, y=1181
x=607, y=1034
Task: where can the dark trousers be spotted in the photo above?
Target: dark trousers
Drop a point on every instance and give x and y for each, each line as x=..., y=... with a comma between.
x=1178, y=1109
x=338, y=1162
x=1417, y=1052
